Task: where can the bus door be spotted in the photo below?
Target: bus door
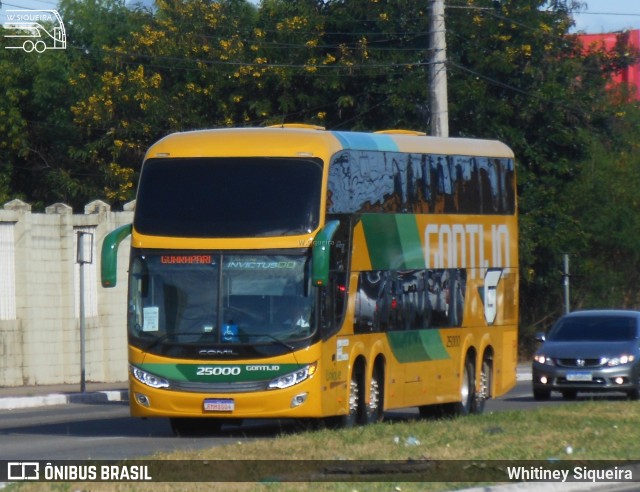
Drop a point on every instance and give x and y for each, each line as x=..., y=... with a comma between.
x=332, y=292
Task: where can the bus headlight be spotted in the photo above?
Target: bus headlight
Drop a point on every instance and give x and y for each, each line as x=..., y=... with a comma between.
x=294, y=377
x=147, y=378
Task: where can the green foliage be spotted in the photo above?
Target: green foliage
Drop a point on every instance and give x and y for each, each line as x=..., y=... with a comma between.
x=75, y=123
x=605, y=196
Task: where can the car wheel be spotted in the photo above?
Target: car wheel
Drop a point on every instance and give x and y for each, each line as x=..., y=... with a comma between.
x=569, y=394
x=541, y=394
x=634, y=394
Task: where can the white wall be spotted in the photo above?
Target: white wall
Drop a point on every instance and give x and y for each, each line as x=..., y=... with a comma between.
x=39, y=296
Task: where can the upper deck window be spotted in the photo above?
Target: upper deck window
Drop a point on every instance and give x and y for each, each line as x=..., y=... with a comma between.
x=374, y=181
x=228, y=197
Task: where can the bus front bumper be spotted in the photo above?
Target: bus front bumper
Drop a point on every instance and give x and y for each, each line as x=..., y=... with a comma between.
x=301, y=400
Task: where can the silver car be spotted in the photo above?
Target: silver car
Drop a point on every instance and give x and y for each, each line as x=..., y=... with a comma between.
x=589, y=351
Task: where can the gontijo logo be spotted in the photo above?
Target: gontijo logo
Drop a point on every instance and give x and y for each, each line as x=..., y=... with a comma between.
x=37, y=30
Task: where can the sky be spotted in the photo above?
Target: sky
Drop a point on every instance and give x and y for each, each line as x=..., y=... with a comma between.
x=608, y=16
x=600, y=15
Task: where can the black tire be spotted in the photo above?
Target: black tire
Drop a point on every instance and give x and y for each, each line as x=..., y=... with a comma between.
x=634, y=394
x=375, y=405
x=484, y=391
x=467, y=392
x=541, y=394
x=191, y=427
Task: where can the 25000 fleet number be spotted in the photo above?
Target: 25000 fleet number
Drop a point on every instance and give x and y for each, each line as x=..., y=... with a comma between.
x=218, y=371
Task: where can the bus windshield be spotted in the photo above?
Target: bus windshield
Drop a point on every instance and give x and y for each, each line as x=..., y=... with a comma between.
x=231, y=299
x=228, y=197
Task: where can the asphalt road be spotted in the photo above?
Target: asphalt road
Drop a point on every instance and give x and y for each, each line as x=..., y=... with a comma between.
x=105, y=431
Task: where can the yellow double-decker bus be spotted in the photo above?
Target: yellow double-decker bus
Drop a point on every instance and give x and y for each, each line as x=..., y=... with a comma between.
x=294, y=272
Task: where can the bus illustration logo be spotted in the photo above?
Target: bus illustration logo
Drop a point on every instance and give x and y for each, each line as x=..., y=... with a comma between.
x=37, y=30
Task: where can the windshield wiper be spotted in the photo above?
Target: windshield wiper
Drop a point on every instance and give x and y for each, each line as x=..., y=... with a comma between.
x=275, y=339
x=166, y=337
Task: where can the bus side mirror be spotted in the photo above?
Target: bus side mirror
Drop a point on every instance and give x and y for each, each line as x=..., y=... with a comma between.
x=321, y=253
x=109, y=263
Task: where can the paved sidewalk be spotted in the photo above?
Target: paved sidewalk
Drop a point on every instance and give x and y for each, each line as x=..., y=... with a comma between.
x=61, y=394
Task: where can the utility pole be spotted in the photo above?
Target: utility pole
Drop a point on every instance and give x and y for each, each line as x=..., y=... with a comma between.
x=565, y=277
x=439, y=105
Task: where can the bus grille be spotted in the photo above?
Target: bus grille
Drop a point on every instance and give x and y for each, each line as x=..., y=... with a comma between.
x=237, y=387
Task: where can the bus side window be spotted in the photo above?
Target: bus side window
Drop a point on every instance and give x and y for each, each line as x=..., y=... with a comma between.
x=365, y=316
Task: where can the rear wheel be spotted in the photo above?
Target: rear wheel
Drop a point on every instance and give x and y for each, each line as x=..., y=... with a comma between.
x=484, y=391
x=467, y=391
x=375, y=405
x=355, y=397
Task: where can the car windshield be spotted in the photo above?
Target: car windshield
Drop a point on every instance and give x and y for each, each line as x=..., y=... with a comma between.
x=183, y=299
x=594, y=328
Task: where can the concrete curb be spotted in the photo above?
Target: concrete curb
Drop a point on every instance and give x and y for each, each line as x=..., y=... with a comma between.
x=15, y=402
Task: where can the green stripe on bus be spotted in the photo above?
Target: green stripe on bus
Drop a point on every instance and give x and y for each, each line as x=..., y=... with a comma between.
x=410, y=241
x=383, y=241
x=417, y=345
x=393, y=241
x=212, y=373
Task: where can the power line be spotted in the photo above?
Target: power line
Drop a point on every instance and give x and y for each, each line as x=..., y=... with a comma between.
x=605, y=13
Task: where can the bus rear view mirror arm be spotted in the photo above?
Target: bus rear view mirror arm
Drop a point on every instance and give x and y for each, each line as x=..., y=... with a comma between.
x=321, y=253
x=109, y=263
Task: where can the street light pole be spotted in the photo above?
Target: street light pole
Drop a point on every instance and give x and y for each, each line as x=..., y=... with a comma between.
x=84, y=256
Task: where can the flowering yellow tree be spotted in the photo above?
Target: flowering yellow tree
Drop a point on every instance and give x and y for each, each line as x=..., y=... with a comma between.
x=179, y=70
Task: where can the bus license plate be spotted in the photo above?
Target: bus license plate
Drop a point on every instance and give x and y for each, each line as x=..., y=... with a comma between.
x=579, y=376
x=219, y=405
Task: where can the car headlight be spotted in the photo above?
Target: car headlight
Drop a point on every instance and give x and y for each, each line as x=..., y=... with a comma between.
x=294, y=377
x=619, y=361
x=147, y=378
x=543, y=359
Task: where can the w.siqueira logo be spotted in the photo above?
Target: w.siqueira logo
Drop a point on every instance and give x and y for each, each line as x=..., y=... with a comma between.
x=35, y=30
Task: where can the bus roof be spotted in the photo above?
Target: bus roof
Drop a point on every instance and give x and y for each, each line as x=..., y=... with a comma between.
x=313, y=142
